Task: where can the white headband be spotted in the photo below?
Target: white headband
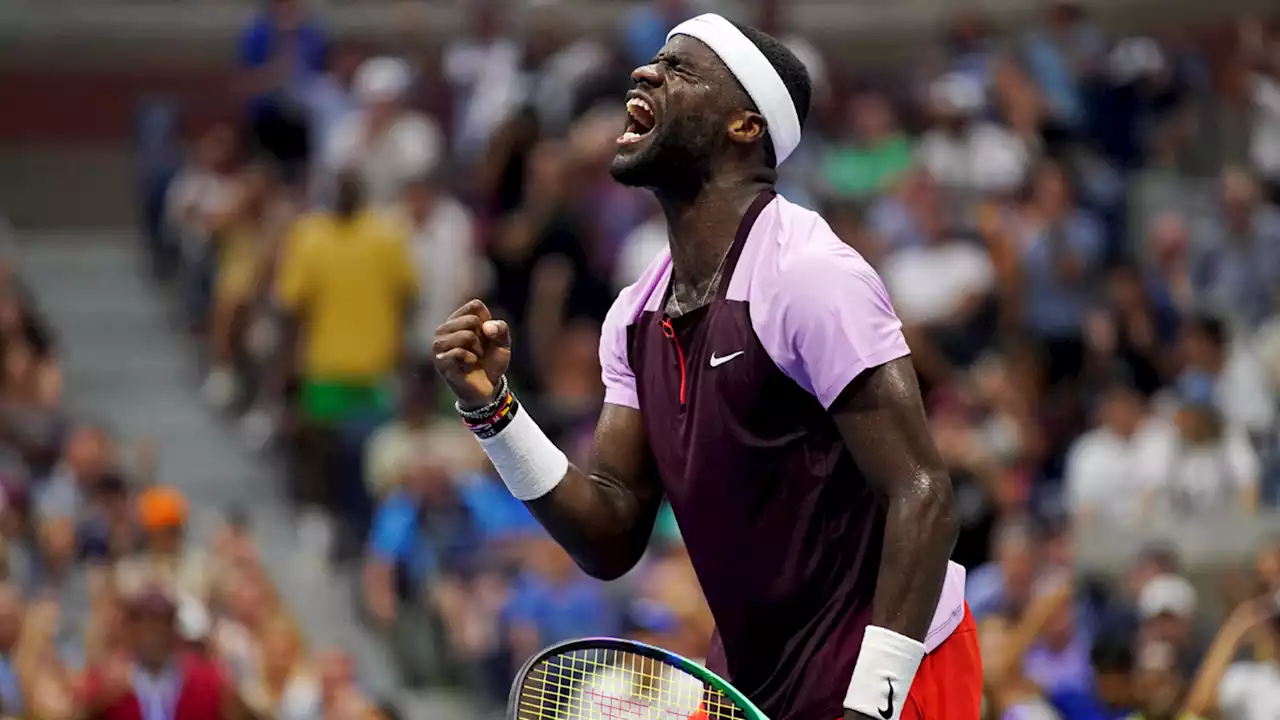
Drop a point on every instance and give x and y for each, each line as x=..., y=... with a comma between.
x=756, y=74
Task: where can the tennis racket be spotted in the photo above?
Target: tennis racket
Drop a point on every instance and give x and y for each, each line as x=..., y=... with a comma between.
x=614, y=679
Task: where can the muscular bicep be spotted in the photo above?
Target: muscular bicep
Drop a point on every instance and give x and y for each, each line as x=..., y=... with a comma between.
x=881, y=418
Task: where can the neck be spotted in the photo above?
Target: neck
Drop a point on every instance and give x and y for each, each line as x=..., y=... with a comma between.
x=702, y=227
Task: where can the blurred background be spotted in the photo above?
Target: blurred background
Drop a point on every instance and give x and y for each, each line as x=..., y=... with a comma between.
x=230, y=228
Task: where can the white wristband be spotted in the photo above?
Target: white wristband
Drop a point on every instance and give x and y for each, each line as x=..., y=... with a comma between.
x=882, y=678
x=529, y=463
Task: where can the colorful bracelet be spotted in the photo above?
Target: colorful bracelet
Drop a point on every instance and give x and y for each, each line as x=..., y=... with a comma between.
x=492, y=418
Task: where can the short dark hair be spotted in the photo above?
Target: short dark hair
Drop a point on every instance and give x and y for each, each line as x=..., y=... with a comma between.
x=793, y=73
x=1113, y=656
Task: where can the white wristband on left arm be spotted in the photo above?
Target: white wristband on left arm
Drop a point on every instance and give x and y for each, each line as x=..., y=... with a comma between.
x=882, y=678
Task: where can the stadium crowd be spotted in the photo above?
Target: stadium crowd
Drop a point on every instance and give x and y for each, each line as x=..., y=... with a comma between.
x=1079, y=231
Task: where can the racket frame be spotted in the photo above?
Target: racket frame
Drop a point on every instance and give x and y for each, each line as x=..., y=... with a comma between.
x=748, y=708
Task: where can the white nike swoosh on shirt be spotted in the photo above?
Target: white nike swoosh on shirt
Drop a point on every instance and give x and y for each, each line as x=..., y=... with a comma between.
x=718, y=361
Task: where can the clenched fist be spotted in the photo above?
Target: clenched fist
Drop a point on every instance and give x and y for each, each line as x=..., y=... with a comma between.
x=472, y=352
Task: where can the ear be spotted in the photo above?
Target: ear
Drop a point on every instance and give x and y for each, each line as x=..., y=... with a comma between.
x=746, y=127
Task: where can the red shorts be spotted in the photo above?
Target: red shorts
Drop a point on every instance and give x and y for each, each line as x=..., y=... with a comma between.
x=948, y=685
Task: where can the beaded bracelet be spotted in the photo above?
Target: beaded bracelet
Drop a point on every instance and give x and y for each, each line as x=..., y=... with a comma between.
x=484, y=411
x=489, y=420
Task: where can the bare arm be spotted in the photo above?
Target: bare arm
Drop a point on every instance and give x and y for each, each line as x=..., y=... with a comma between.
x=1203, y=696
x=604, y=517
x=882, y=419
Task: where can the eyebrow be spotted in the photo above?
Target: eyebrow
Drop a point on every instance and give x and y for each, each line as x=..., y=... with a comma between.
x=669, y=56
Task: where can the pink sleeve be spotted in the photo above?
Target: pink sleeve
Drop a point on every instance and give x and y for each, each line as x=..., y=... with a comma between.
x=615, y=368
x=829, y=321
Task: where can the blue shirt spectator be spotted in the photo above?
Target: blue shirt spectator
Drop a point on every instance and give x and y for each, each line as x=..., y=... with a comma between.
x=394, y=540
x=552, y=601
x=1058, y=261
x=283, y=34
x=1235, y=263
x=1057, y=55
x=423, y=537
x=497, y=514
x=573, y=608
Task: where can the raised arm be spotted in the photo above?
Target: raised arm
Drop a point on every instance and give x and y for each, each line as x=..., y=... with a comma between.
x=602, y=516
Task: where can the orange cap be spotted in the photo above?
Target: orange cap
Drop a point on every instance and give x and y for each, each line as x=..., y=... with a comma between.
x=160, y=508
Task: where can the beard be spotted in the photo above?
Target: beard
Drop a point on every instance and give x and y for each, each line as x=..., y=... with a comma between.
x=676, y=162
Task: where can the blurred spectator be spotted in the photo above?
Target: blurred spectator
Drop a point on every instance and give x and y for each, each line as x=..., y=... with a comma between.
x=33, y=421
x=67, y=505
x=940, y=290
x=160, y=676
x=639, y=248
x=394, y=444
x=422, y=532
x=339, y=696
x=285, y=687
x=553, y=601
x=874, y=154
x=384, y=142
x=1241, y=389
x=244, y=236
x=166, y=559
x=443, y=244
x=1058, y=662
x=963, y=152
x=1237, y=254
x=1259, y=50
x=1136, y=330
x=347, y=279
x=1167, y=607
x=1004, y=585
x=1167, y=247
x=1061, y=247
x=199, y=198
x=282, y=50
x=1103, y=470
x=330, y=96
x=1008, y=693
x=1200, y=463
x=1063, y=53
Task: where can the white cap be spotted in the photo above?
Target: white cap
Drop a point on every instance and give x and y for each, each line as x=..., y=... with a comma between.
x=1168, y=593
x=959, y=92
x=382, y=79
x=1134, y=58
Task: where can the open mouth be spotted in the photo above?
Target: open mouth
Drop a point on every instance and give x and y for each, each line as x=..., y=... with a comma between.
x=640, y=121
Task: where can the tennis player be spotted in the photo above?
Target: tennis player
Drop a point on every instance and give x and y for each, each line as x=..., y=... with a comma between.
x=757, y=377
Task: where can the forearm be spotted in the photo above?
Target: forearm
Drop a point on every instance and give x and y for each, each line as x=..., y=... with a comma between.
x=1203, y=696
x=597, y=520
x=920, y=532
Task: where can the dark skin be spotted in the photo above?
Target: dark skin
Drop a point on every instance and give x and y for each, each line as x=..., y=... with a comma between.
x=604, y=516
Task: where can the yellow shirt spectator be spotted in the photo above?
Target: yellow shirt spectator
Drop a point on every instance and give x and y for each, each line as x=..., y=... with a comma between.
x=350, y=283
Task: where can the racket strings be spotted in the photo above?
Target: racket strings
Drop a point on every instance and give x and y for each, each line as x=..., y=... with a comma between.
x=613, y=684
